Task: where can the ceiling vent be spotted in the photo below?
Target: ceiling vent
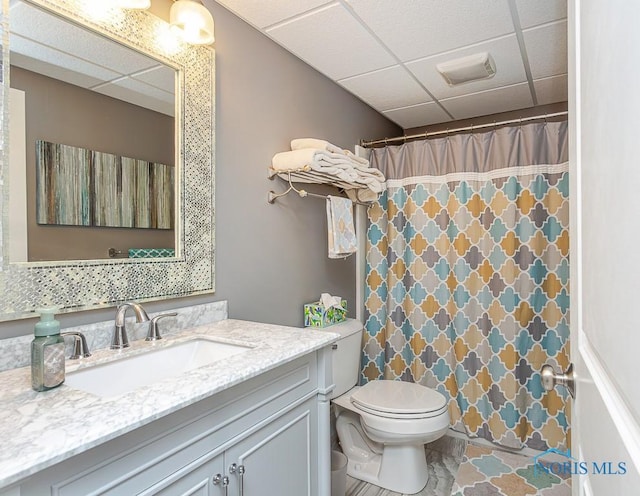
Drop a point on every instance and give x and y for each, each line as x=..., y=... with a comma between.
x=465, y=69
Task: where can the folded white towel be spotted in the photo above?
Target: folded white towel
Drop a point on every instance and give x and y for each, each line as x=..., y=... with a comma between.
x=297, y=159
x=320, y=144
x=339, y=165
x=341, y=231
x=294, y=160
x=353, y=156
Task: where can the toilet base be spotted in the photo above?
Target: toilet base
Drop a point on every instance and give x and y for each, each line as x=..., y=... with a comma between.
x=398, y=468
x=402, y=472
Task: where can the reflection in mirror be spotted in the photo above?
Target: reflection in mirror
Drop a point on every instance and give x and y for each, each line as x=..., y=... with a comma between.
x=111, y=110
x=77, y=285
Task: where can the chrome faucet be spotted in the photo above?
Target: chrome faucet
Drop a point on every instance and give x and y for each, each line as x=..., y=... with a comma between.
x=80, y=347
x=154, y=331
x=120, y=339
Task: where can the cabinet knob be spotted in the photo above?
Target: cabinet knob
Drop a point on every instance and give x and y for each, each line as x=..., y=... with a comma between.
x=218, y=479
x=238, y=469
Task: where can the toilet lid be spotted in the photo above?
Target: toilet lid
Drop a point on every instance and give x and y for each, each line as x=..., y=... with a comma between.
x=398, y=398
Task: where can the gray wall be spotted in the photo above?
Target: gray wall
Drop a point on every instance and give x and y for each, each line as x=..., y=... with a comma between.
x=270, y=259
x=63, y=113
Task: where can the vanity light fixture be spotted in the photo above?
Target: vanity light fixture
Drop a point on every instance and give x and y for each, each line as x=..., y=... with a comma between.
x=134, y=4
x=192, y=21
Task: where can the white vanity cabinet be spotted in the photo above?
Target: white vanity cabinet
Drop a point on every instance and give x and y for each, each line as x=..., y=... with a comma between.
x=275, y=460
x=266, y=436
x=204, y=480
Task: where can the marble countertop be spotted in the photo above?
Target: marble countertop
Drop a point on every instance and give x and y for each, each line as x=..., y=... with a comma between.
x=41, y=429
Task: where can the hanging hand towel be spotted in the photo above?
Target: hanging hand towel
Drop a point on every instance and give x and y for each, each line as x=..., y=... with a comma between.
x=341, y=231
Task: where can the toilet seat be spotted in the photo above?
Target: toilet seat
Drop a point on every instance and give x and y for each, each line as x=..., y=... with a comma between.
x=406, y=416
x=399, y=400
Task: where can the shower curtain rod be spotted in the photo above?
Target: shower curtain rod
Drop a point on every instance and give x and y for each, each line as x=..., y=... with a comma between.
x=369, y=144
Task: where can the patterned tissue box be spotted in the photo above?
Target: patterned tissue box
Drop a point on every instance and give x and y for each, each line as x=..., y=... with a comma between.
x=315, y=314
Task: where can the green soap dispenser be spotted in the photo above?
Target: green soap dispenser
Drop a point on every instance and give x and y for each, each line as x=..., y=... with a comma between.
x=47, y=352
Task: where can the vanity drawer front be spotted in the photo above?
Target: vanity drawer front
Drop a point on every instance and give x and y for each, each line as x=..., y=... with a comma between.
x=131, y=463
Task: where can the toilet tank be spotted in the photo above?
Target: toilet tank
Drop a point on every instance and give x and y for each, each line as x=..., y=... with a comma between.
x=346, y=355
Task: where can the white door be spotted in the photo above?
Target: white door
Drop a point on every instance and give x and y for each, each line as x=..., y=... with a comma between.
x=604, y=118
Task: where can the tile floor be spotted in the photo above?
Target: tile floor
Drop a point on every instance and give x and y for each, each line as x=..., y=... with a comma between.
x=458, y=468
x=486, y=471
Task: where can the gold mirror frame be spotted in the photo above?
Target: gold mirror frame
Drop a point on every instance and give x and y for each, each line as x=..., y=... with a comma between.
x=86, y=285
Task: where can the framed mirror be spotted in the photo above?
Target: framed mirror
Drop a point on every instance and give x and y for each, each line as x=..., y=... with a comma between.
x=119, y=161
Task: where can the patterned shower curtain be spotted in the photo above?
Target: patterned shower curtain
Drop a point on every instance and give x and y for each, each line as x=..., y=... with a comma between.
x=468, y=278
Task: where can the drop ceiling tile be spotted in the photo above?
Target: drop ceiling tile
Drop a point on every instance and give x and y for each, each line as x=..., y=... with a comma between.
x=263, y=14
x=333, y=42
x=489, y=102
x=50, y=30
x=540, y=11
x=39, y=67
x=136, y=86
x=417, y=115
x=505, y=52
x=161, y=77
x=387, y=88
x=547, y=49
x=416, y=28
x=58, y=65
x=140, y=94
x=552, y=89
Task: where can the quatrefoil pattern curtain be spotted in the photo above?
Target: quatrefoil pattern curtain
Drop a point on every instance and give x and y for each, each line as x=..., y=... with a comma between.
x=468, y=278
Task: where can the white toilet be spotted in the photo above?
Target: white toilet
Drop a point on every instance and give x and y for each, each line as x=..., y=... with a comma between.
x=383, y=425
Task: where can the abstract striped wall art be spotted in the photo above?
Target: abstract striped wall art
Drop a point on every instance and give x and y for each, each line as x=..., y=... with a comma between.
x=81, y=187
x=63, y=185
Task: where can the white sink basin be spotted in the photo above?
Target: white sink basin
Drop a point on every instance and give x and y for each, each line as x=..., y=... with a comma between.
x=127, y=374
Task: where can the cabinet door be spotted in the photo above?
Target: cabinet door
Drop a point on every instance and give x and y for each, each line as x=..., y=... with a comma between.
x=277, y=459
x=200, y=478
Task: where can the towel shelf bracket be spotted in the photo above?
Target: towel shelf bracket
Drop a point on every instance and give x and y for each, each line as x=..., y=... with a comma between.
x=306, y=175
x=272, y=196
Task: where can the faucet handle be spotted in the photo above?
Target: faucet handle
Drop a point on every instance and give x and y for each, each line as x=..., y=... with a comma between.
x=154, y=332
x=80, y=347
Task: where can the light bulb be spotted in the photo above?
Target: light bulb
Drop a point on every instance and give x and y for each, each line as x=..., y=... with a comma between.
x=193, y=21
